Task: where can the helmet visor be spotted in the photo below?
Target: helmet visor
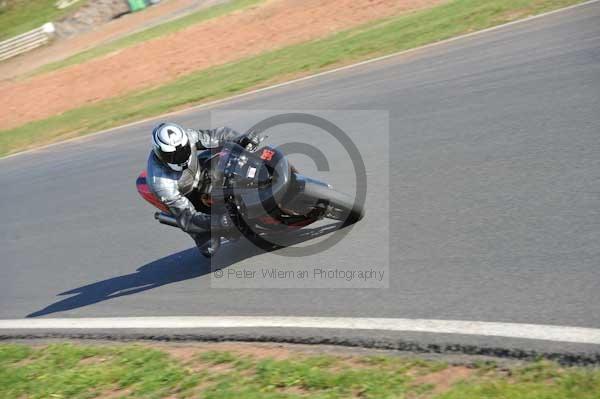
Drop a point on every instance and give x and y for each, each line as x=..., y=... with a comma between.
x=180, y=156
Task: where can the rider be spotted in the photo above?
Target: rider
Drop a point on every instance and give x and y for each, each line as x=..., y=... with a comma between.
x=174, y=173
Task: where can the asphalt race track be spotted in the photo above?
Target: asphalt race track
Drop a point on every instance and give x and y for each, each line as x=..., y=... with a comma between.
x=484, y=200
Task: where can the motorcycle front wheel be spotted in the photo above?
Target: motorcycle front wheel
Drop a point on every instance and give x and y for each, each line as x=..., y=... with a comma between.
x=336, y=205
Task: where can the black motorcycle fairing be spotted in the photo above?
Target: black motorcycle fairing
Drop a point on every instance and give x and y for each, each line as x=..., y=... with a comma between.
x=256, y=181
x=256, y=188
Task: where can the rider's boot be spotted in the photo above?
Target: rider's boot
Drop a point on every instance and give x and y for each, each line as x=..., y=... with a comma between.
x=209, y=242
x=211, y=246
x=216, y=223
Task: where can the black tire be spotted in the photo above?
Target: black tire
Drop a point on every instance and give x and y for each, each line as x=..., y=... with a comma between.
x=339, y=206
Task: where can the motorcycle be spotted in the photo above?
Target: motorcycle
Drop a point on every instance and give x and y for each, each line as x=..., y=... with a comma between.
x=261, y=192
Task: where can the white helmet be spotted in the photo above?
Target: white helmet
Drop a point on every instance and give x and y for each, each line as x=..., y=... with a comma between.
x=171, y=145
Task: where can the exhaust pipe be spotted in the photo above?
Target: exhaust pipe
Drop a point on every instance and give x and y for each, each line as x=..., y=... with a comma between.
x=165, y=218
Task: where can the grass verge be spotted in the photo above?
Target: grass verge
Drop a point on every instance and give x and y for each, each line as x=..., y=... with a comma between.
x=20, y=16
x=136, y=371
x=400, y=33
x=148, y=34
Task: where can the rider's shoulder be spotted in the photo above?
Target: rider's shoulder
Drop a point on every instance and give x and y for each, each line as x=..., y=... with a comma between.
x=193, y=135
x=158, y=170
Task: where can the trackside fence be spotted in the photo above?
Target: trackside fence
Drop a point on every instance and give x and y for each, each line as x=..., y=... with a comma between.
x=26, y=41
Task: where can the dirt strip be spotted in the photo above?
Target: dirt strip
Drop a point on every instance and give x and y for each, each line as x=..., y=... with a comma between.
x=276, y=24
x=63, y=48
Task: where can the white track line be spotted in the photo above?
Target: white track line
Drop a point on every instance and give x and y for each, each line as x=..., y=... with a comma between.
x=317, y=75
x=509, y=330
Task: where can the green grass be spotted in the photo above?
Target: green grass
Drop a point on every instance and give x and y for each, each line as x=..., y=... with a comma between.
x=148, y=34
x=541, y=380
x=19, y=16
x=69, y=371
x=395, y=34
x=134, y=371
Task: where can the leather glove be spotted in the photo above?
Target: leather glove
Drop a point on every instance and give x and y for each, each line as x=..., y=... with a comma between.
x=251, y=140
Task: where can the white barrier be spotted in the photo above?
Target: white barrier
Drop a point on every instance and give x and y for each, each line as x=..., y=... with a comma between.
x=26, y=41
x=61, y=4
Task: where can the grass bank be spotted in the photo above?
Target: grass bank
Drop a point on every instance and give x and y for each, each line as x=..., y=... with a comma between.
x=20, y=16
x=149, y=34
x=400, y=33
x=259, y=371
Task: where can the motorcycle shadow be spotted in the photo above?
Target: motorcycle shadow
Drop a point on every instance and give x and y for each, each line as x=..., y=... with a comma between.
x=184, y=265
